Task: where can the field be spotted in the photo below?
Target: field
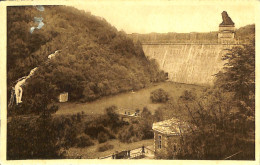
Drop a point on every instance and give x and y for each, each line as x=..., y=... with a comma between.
x=91, y=152
x=125, y=101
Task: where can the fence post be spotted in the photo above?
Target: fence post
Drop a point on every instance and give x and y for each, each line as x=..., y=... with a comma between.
x=143, y=149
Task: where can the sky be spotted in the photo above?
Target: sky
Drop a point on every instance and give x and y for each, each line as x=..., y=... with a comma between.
x=165, y=16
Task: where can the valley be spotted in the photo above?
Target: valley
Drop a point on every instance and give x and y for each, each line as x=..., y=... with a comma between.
x=127, y=101
x=79, y=88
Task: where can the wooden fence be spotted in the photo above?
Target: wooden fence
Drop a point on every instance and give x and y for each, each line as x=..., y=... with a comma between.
x=136, y=153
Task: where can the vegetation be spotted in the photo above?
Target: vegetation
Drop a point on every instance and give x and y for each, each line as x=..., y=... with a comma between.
x=130, y=100
x=243, y=34
x=105, y=147
x=102, y=137
x=188, y=95
x=32, y=138
x=246, y=33
x=211, y=37
x=90, y=48
x=47, y=137
x=84, y=141
x=159, y=96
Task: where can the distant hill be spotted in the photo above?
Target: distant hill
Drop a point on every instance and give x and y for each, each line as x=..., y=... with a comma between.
x=211, y=37
x=243, y=34
x=93, y=59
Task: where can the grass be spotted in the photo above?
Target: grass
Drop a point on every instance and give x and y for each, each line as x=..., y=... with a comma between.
x=126, y=101
x=92, y=153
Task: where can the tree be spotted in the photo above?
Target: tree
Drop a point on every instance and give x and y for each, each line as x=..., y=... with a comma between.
x=239, y=77
x=224, y=116
x=32, y=138
x=112, y=115
x=159, y=96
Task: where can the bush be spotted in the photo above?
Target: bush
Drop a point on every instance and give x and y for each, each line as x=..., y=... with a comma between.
x=125, y=135
x=105, y=147
x=94, y=128
x=188, y=96
x=102, y=137
x=136, y=132
x=159, y=96
x=84, y=141
x=158, y=115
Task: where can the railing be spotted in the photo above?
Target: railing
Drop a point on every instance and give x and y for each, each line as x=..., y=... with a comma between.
x=135, y=153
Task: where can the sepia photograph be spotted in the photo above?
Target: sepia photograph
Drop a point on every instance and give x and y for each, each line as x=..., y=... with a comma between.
x=129, y=80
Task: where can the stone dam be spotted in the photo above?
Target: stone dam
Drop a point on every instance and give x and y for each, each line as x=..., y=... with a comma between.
x=188, y=63
x=191, y=58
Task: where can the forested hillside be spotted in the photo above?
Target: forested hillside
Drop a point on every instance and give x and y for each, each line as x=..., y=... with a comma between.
x=93, y=59
x=246, y=33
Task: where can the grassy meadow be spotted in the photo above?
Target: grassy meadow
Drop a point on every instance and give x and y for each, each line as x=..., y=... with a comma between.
x=126, y=101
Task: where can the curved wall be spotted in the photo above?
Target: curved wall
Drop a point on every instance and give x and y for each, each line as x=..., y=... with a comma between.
x=188, y=63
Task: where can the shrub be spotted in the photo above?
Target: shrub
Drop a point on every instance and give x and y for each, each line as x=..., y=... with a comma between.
x=102, y=137
x=159, y=96
x=84, y=141
x=158, y=115
x=125, y=135
x=188, y=95
x=113, y=117
x=146, y=113
x=105, y=147
x=94, y=128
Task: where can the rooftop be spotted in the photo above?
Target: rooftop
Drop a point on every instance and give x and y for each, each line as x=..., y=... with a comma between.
x=172, y=126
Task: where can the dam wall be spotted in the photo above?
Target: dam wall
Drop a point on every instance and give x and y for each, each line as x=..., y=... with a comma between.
x=188, y=63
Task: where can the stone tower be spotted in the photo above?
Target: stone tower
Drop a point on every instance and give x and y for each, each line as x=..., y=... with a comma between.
x=226, y=33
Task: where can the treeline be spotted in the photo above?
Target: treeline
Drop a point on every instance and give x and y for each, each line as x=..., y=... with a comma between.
x=242, y=34
x=211, y=37
x=94, y=60
x=246, y=33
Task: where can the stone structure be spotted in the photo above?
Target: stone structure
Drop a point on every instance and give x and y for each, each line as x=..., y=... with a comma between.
x=226, y=33
x=188, y=63
x=167, y=135
x=195, y=62
x=63, y=97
